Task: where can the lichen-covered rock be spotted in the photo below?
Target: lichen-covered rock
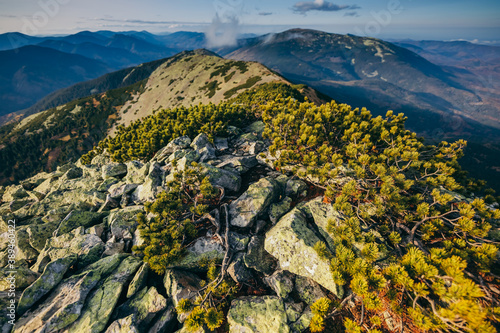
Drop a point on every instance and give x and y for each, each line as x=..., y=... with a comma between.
x=123, y=325
x=321, y=213
x=239, y=163
x=118, y=190
x=17, y=278
x=23, y=249
x=107, y=184
x=136, y=172
x=64, y=305
x=14, y=192
x=139, y=280
x=167, y=321
x=202, y=145
x=295, y=188
x=88, y=247
x=291, y=242
x=257, y=257
x=181, y=285
x=277, y=210
x=117, y=170
x=76, y=219
x=293, y=311
x=151, y=186
x=220, y=177
x=102, y=301
x=51, y=276
x=264, y=314
x=303, y=322
x=73, y=173
x=39, y=233
x=308, y=290
x=281, y=282
x=173, y=146
x=250, y=205
x=238, y=242
x=203, y=247
x=144, y=306
x=123, y=222
x=238, y=270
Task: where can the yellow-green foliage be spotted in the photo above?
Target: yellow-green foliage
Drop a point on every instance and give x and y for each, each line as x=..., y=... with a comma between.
x=395, y=194
x=175, y=211
x=143, y=138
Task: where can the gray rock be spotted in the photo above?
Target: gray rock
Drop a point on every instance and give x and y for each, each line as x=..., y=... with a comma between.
x=277, y=210
x=144, y=306
x=281, y=282
x=254, y=202
x=220, y=177
x=241, y=164
x=123, y=222
x=221, y=144
x=101, y=160
x=238, y=242
x=174, y=145
x=295, y=188
x=265, y=314
x=181, y=285
x=118, y=190
x=77, y=219
x=167, y=321
x=39, y=233
x=152, y=185
x=257, y=257
x=308, y=290
x=123, y=325
x=139, y=280
x=107, y=184
x=256, y=147
x=291, y=242
x=51, y=276
x=203, y=247
x=113, y=247
x=17, y=278
x=117, y=170
x=136, y=172
x=303, y=322
x=102, y=301
x=293, y=311
x=14, y=192
x=238, y=270
x=64, y=305
x=73, y=173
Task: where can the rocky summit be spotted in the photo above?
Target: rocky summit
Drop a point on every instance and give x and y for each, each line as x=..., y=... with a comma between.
x=75, y=229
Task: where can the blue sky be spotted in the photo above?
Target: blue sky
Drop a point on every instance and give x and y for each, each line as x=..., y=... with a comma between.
x=417, y=19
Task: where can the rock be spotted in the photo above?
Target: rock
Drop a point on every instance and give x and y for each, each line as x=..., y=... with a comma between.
x=116, y=191
x=257, y=257
x=256, y=147
x=14, y=192
x=181, y=285
x=136, y=172
x=113, y=247
x=144, y=306
x=123, y=222
x=308, y=290
x=101, y=160
x=88, y=248
x=291, y=242
x=97, y=230
x=77, y=219
x=123, y=325
x=18, y=278
x=303, y=322
x=220, y=177
x=139, y=280
x=107, y=184
x=277, y=210
x=250, y=205
x=238, y=270
x=47, y=186
x=241, y=164
x=91, y=171
x=202, y=145
x=238, y=242
x=257, y=127
x=264, y=314
x=108, y=205
x=281, y=282
x=18, y=204
x=203, y=247
x=321, y=213
x=167, y=321
x=174, y=145
x=151, y=186
x=117, y=170
x=260, y=226
x=39, y=233
x=221, y=144
x=23, y=249
x=295, y=188
x=293, y=311
x=51, y=276
x=102, y=301
x=73, y=173
x=64, y=305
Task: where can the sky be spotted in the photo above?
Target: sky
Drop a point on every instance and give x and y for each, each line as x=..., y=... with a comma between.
x=416, y=19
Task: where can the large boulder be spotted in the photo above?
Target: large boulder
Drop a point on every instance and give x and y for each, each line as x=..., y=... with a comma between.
x=102, y=301
x=136, y=172
x=64, y=305
x=264, y=314
x=77, y=219
x=117, y=170
x=257, y=257
x=144, y=306
x=221, y=177
x=51, y=276
x=291, y=242
x=173, y=146
x=281, y=282
x=151, y=186
x=139, y=280
x=123, y=222
x=254, y=202
x=88, y=247
x=181, y=285
x=17, y=278
x=203, y=247
x=202, y=145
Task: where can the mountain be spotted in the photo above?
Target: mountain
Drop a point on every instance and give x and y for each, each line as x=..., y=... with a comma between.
x=88, y=112
x=31, y=72
x=369, y=72
x=14, y=40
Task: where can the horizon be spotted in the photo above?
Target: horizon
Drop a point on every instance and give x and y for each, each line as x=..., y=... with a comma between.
x=224, y=20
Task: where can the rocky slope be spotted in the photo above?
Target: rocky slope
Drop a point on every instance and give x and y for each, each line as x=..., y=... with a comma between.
x=75, y=228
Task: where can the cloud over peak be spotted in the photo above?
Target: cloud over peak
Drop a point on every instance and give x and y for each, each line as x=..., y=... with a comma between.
x=303, y=7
